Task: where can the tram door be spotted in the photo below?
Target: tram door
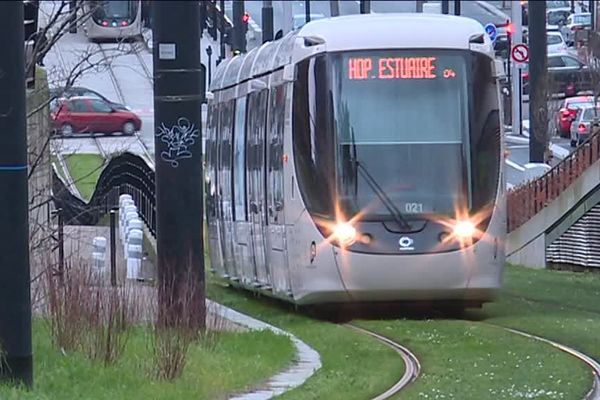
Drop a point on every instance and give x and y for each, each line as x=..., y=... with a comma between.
x=275, y=195
x=224, y=187
x=212, y=201
x=255, y=160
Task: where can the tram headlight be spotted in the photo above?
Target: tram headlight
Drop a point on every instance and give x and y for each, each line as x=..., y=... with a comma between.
x=344, y=233
x=464, y=229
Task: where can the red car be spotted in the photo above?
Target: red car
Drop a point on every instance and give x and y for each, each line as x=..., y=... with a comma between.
x=568, y=112
x=93, y=115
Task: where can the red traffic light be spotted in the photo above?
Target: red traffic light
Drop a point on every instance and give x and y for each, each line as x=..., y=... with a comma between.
x=246, y=18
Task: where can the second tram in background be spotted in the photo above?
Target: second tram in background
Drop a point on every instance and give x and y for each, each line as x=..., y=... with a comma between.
x=359, y=159
x=113, y=19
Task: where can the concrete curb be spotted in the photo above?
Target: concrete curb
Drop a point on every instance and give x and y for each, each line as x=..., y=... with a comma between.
x=307, y=363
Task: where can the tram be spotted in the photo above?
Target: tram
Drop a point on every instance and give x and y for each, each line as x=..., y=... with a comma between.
x=113, y=19
x=359, y=159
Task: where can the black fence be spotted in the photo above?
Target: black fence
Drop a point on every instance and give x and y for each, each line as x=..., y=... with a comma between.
x=124, y=174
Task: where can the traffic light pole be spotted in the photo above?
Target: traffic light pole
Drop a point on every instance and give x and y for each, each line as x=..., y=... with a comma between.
x=516, y=90
x=365, y=6
x=456, y=7
x=16, y=361
x=239, y=27
x=178, y=96
x=538, y=82
x=267, y=20
x=307, y=11
x=445, y=6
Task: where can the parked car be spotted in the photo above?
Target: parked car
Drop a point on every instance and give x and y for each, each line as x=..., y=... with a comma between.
x=556, y=17
x=587, y=118
x=58, y=93
x=555, y=43
x=568, y=112
x=566, y=74
x=575, y=23
x=93, y=115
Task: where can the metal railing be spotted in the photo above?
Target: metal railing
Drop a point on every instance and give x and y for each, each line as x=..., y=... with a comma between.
x=125, y=174
x=527, y=200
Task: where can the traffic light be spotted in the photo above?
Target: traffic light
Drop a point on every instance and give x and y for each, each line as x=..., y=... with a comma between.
x=30, y=14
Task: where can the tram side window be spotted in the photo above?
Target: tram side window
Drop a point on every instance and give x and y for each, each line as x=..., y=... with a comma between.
x=275, y=146
x=211, y=158
x=226, y=125
x=485, y=133
x=239, y=169
x=313, y=137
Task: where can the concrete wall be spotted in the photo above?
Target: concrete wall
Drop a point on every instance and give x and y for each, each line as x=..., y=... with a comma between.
x=38, y=150
x=526, y=245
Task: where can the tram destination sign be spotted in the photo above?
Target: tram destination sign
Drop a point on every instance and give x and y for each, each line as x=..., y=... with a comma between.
x=362, y=68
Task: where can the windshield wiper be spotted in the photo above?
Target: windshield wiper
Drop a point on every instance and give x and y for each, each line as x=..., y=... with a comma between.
x=383, y=197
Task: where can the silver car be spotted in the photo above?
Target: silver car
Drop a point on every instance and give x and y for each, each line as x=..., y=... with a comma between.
x=581, y=128
x=575, y=22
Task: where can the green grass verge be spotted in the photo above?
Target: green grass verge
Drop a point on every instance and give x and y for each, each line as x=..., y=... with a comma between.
x=353, y=366
x=85, y=170
x=468, y=360
x=561, y=306
x=238, y=361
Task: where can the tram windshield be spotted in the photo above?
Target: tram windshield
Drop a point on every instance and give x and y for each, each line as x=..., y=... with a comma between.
x=114, y=10
x=401, y=118
x=399, y=133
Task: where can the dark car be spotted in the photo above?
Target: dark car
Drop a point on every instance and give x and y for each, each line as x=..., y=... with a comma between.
x=566, y=74
x=79, y=91
x=92, y=115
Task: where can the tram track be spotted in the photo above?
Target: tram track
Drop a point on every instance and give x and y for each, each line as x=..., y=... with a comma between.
x=111, y=74
x=411, y=362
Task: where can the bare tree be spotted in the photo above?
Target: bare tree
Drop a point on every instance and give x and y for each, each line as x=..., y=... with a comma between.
x=56, y=19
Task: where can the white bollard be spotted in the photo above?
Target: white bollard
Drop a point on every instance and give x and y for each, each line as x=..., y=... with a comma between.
x=128, y=220
x=135, y=237
x=99, y=244
x=98, y=261
x=130, y=212
x=134, y=261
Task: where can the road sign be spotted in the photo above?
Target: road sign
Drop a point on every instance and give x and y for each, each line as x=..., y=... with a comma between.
x=520, y=53
x=491, y=31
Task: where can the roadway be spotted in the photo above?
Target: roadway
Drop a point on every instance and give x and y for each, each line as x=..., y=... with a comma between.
x=478, y=10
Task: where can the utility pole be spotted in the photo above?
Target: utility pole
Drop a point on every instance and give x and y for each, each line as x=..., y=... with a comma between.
x=222, y=55
x=592, y=10
x=456, y=7
x=538, y=82
x=517, y=91
x=178, y=95
x=365, y=6
x=267, y=20
x=334, y=7
x=16, y=361
x=307, y=11
x=288, y=17
x=239, y=27
x=445, y=7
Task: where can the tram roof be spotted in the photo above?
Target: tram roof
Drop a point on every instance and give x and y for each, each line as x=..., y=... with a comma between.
x=354, y=32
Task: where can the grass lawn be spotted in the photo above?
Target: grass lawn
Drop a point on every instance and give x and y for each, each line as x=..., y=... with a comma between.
x=85, y=170
x=561, y=306
x=236, y=362
x=354, y=366
x=468, y=360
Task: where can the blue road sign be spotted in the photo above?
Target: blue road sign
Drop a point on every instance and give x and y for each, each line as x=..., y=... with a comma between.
x=491, y=31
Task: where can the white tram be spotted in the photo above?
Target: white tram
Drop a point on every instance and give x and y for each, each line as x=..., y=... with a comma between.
x=359, y=159
x=110, y=19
